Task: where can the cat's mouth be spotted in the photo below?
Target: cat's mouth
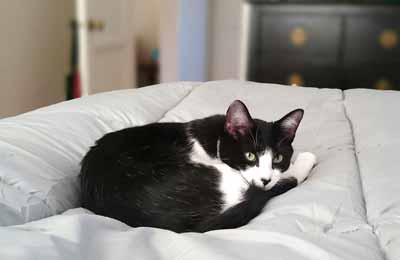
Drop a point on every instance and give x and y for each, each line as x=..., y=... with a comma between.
x=275, y=177
x=263, y=183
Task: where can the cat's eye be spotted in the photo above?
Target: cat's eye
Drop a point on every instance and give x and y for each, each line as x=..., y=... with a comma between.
x=250, y=156
x=278, y=158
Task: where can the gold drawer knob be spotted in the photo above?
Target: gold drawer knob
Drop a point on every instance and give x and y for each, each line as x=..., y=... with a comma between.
x=383, y=84
x=295, y=80
x=96, y=25
x=298, y=36
x=388, y=39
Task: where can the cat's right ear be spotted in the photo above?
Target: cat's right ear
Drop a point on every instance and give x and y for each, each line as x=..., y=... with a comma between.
x=238, y=120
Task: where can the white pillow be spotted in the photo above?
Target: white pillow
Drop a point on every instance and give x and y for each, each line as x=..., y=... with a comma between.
x=40, y=151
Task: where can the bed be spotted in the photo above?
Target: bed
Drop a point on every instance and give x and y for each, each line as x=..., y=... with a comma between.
x=349, y=208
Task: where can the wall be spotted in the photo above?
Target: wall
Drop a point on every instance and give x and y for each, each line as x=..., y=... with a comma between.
x=169, y=40
x=224, y=39
x=192, y=40
x=33, y=53
x=183, y=40
x=225, y=19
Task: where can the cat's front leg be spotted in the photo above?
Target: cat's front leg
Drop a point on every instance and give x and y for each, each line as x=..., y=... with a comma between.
x=296, y=174
x=301, y=167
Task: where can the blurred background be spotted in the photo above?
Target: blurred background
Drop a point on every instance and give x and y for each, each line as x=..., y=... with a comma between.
x=57, y=50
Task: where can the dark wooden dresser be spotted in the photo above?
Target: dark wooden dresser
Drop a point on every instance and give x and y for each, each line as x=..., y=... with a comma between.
x=324, y=45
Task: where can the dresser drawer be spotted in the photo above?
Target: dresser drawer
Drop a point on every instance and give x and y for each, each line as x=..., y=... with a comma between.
x=371, y=39
x=307, y=76
x=374, y=77
x=300, y=36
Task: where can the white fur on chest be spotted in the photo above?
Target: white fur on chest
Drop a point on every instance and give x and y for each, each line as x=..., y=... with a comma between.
x=232, y=185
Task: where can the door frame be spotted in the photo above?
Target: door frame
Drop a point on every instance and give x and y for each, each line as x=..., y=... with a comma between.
x=83, y=51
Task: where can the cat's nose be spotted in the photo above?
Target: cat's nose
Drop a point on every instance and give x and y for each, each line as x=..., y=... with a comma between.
x=265, y=181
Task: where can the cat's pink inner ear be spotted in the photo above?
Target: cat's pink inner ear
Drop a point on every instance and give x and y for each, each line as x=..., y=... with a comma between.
x=289, y=123
x=238, y=119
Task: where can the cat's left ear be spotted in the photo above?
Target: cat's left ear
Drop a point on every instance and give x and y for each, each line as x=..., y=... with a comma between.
x=287, y=126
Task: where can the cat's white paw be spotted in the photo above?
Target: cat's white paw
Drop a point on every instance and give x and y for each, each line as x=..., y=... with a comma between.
x=303, y=165
x=307, y=158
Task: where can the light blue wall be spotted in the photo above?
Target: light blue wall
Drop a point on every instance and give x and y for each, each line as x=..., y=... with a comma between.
x=192, y=40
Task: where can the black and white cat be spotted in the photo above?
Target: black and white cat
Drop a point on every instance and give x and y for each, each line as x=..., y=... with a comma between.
x=206, y=174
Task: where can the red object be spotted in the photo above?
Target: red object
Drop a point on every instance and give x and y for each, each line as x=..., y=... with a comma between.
x=77, y=85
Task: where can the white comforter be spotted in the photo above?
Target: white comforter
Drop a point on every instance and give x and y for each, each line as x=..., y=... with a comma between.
x=347, y=209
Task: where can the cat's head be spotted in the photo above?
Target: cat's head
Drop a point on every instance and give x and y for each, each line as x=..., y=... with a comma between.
x=260, y=150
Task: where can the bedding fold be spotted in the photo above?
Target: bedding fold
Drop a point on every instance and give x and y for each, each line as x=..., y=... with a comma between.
x=376, y=127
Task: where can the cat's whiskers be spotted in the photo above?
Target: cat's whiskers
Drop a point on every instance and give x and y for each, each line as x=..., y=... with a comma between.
x=257, y=134
x=255, y=139
x=245, y=180
x=218, y=145
x=252, y=137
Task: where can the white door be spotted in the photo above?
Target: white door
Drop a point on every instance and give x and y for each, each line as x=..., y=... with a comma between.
x=106, y=45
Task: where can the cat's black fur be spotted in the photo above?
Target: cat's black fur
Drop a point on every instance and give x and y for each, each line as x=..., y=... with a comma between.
x=144, y=175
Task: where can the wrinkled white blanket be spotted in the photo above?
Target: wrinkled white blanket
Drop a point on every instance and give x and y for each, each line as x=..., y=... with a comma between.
x=78, y=234
x=347, y=209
